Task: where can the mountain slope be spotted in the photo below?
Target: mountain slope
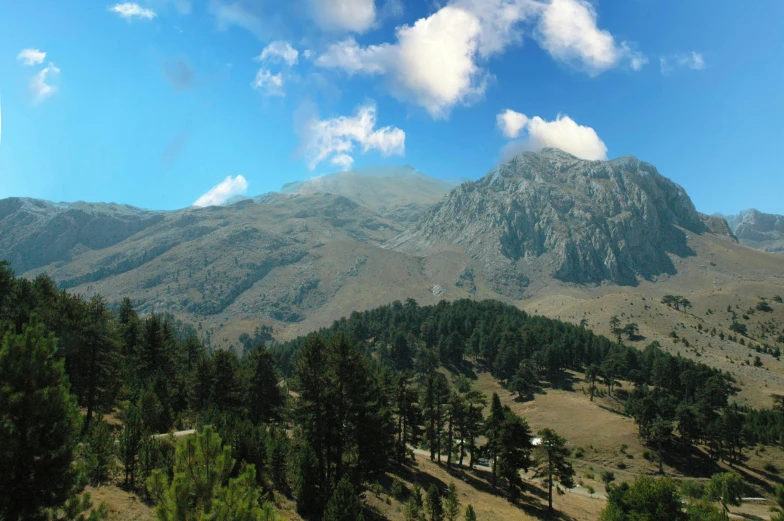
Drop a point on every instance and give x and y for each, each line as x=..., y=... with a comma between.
x=755, y=229
x=34, y=233
x=577, y=221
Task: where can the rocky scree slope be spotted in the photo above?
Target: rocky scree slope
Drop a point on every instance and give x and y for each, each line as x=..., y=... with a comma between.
x=575, y=220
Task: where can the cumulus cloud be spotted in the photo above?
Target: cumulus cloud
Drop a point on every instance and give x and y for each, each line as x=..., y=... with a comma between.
x=31, y=57
x=41, y=85
x=279, y=51
x=130, y=10
x=268, y=84
x=691, y=60
x=431, y=64
x=223, y=191
x=438, y=62
x=511, y=123
x=563, y=133
x=568, y=31
x=335, y=139
x=344, y=15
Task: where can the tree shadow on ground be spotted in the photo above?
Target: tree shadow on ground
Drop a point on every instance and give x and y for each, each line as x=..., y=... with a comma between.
x=532, y=499
x=690, y=461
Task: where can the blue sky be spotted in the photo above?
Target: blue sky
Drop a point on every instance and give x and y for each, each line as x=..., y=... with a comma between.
x=155, y=103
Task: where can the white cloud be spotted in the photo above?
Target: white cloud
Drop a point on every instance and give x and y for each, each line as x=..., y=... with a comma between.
x=223, y=191
x=41, y=89
x=511, y=123
x=268, y=83
x=335, y=138
x=31, y=57
x=130, y=10
x=239, y=14
x=431, y=64
x=690, y=60
x=279, y=51
x=344, y=15
x=567, y=30
x=343, y=161
x=500, y=21
x=437, y=62
x=563, y=133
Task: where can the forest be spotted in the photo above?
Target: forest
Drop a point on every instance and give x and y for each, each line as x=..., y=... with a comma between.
x=89, y=392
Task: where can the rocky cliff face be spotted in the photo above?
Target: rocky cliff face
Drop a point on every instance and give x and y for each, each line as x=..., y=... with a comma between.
x=759, y=230
x=552, y=213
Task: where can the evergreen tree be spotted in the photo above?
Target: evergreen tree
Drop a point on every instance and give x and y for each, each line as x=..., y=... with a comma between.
x=470, y=515
x=38, y=426
x=129, y=444
x=99, y=453
x=278, y=453
x=434, y=504
x=94, y=367
x=515, y=450
x=309, y=486
x=201, y=488
x=493, y=430
x=344, y=505
x=451, y=504
x=552, y=462
x=264, y=396
x=408, y=415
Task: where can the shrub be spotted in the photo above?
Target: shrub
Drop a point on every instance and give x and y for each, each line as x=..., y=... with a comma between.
x=608, y=476
x=692, y=490
x=397, y=489
x=763, y=306
x=770, y=467
x=579, y=452
x=622, y=465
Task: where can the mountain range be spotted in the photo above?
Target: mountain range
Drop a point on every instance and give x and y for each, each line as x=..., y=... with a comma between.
x=574, y=239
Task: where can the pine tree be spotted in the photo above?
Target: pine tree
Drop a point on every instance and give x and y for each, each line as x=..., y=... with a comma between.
x=344, y=505
x=493, y=430
x=129, y=444
x=308, y=485
x=201, y=488
x=470, y=515
x=515, y=450
x=99, y=452
x=451, y=504
x=553, y=463
x=38, y=426
x=94, y=367
x=264, y=395
x=434, y=505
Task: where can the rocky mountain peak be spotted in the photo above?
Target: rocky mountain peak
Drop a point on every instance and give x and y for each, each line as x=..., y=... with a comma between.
x=553, y=213
x=759, y=230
